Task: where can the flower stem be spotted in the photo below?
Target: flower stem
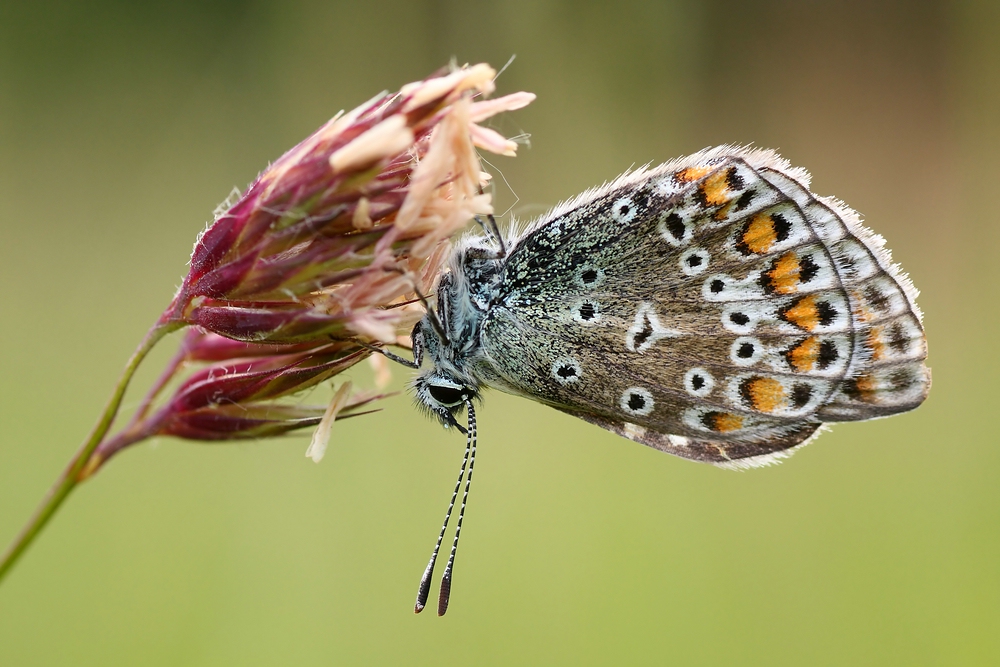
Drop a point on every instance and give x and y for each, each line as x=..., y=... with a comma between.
x=165, y=377
x=72, y=476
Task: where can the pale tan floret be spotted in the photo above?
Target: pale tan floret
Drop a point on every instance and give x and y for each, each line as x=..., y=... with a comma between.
x=388, y=138
x=321, y=437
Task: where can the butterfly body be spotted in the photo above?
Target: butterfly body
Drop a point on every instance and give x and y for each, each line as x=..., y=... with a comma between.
x=711, y=307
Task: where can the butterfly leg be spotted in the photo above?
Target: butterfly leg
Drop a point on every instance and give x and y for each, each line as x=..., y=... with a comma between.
x=409, y=363
x=434, y=315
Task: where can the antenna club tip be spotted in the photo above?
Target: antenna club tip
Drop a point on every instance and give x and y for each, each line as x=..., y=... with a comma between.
x=425, y=587
x=445, y=595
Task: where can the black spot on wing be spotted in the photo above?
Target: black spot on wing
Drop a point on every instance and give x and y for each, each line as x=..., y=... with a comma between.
x=636, y=401
x=878, y=299
x=782, y=228
x=566, y=371
x=826, y=313
x=733, y=179
x=897, y=338
x=801, y=393
x=827, y=354
x=745, y=200
x=675, y=226
x=643, y=334
x=807, y=269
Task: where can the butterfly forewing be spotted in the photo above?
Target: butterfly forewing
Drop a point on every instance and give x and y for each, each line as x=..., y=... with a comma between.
x=712, y=308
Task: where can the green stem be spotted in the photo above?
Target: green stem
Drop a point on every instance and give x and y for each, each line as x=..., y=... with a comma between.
x=165, y=377
x=71, y=477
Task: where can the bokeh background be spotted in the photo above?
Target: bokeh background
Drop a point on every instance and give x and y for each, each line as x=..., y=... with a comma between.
x=123, y=124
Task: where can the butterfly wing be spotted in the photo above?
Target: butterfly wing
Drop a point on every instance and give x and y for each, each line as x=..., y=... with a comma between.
x=712, y=307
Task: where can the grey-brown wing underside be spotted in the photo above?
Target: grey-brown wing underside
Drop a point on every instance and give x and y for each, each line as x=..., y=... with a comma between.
x=711, y=308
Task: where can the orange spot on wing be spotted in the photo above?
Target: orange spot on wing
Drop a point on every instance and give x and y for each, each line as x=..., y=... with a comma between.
x=803, y=356
x=724, y=422
x=784, y=274
x=875, y=343
x=864, y=388
x=861, y=311
x=691, y=174
x=760, y=234
x=803, y=313
x=715, y=189
x=765, y=394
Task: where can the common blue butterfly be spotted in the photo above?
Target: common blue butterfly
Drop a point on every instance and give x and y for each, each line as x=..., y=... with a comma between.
x=712, y=308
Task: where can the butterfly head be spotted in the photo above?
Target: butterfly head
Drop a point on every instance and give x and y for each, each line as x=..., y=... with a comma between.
x=444, y=389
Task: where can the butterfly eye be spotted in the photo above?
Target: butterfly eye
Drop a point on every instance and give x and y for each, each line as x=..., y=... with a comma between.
x=446, y=395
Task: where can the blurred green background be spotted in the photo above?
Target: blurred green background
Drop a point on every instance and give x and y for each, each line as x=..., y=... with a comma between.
x=123, y=124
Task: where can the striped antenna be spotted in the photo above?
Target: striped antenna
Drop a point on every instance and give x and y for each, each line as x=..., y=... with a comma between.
x=470, y=449
x=425, y=581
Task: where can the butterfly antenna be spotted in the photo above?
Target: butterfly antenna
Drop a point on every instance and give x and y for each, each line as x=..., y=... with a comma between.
x=425, y=581
x=470, y=447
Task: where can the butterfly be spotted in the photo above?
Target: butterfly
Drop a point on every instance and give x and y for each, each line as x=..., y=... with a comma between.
x=712, y=308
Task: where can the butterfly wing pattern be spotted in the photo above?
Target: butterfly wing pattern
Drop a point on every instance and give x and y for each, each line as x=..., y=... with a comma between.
x=711, y=307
